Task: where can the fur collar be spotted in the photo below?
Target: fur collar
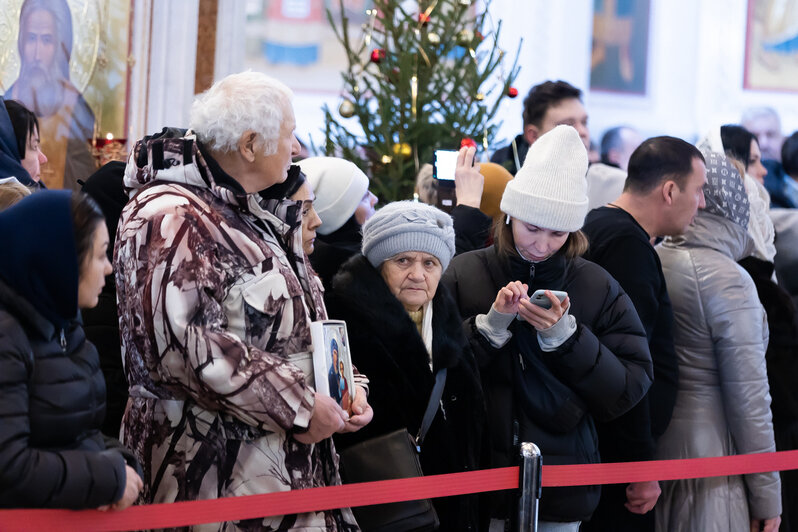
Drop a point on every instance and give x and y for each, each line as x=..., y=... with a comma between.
x=359, y=293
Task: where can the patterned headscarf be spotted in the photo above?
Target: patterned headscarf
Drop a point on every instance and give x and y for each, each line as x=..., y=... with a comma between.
x=724, y=191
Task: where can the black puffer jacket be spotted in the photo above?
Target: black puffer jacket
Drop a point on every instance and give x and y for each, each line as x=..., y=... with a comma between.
x=551, y=398
x=52, y=402
x=387, y=347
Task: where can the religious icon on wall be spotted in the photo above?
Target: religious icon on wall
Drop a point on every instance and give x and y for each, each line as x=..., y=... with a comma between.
x=66, y=60
x=619, y=58
x=771, y=45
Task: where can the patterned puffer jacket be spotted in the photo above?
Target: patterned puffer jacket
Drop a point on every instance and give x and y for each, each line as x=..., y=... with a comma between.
x=215, y=298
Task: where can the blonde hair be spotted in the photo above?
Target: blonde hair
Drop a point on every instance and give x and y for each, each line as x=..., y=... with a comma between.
x=12, y=192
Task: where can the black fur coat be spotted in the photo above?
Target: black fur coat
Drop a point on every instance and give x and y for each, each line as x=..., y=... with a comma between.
x=387, y=347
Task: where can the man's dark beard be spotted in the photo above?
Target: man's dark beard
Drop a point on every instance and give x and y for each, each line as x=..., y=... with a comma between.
x=39, y=90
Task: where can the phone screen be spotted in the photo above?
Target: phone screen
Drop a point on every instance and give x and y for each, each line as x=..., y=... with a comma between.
x=445, y=163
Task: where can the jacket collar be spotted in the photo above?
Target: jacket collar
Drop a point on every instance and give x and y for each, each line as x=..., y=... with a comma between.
x=715, y=232
x=176, y=156
x=361, y=291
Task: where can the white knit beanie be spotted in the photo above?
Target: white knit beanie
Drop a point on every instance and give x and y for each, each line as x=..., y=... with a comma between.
x=550, y=189
x=339, y=186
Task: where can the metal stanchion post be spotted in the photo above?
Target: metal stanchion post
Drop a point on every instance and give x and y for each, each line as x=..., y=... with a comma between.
x=529, y=480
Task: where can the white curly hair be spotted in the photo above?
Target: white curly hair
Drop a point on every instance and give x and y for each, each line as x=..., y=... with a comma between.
x=238, y=103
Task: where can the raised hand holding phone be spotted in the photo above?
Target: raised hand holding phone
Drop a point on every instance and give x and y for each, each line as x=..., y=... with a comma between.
x=468, y=181
x=541, y=318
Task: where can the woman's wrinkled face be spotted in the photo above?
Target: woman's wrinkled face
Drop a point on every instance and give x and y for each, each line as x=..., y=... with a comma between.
x=535, y=243
x=412, y=277
x=310, y=218
x=94, y=269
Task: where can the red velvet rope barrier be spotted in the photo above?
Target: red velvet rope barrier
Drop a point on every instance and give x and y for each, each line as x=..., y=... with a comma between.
x=290, y=502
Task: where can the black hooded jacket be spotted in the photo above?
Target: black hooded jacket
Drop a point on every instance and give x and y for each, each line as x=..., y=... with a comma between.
x=52, y=392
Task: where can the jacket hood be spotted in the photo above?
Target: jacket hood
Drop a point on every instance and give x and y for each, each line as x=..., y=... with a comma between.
x=176, y=156
x=40, y=262
x=715, y=232
x=9, y=154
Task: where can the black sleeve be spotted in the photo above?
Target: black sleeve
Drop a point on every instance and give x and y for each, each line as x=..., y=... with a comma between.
x=35, y=478
x=471, y=228
x=633, y=264
x=607, y=363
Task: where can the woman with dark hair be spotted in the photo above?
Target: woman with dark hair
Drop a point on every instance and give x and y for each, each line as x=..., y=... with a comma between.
x=743, y=146
x=52, y=392
x=26, y=131
x=549, y=367
x=296, y=187
x=781, y=355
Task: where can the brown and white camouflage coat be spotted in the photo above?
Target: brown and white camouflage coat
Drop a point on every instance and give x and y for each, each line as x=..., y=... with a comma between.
x=215, y=297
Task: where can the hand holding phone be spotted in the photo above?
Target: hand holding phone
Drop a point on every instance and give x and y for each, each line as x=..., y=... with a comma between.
x=544, y=308
x=540, y=298
x=469, y=182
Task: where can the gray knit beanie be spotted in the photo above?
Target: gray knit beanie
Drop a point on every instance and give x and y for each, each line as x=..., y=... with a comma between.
x=550, y=189
x=408, y=226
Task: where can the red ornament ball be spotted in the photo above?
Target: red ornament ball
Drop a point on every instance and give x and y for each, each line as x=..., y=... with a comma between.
x=512, y=92
x=423, y=18
x=468, y=143
x=377, y=55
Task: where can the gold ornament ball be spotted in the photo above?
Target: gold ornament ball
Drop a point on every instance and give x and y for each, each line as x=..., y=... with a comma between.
x=386, y=159
x=465, y=37
x=480, y=96
x=434, y=38
x=402, y=149
x=346, y=109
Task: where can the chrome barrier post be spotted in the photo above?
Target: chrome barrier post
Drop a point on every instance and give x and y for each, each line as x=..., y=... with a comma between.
x=529, y=480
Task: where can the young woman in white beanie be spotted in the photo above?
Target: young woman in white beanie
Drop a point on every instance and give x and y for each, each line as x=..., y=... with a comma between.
x=548, y=372
x=344, y=203
x=403, y=329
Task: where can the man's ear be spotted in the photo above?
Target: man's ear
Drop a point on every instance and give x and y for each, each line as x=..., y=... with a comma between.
x=531, y=133
x=668, y=191
x=246, y=145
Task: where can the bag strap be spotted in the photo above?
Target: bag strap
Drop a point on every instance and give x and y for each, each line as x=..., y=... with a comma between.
x=432, y=407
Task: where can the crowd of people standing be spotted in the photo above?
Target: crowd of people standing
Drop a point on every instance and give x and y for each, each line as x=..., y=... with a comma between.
x=632, y=308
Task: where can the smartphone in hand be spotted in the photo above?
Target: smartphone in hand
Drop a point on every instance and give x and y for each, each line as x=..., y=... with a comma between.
x=540, y=299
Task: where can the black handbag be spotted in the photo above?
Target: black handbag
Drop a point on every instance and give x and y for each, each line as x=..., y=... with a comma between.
x=391, y=456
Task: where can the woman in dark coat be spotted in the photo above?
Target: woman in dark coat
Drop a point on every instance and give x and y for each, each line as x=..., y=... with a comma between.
x=52, y=392
x=548, y=372
x=403, y=327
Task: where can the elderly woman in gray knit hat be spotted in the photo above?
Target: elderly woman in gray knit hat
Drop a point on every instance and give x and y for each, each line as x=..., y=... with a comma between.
x=549, y=368
x=403, y=328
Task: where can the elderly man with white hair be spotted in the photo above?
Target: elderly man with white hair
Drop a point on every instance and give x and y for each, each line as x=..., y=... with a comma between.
x=215, y=300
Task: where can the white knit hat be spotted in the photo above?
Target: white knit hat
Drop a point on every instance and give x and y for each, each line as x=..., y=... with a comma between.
x=550, y=189
x=339, y=186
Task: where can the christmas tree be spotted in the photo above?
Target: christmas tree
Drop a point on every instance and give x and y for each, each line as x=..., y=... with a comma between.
x=424, y=75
